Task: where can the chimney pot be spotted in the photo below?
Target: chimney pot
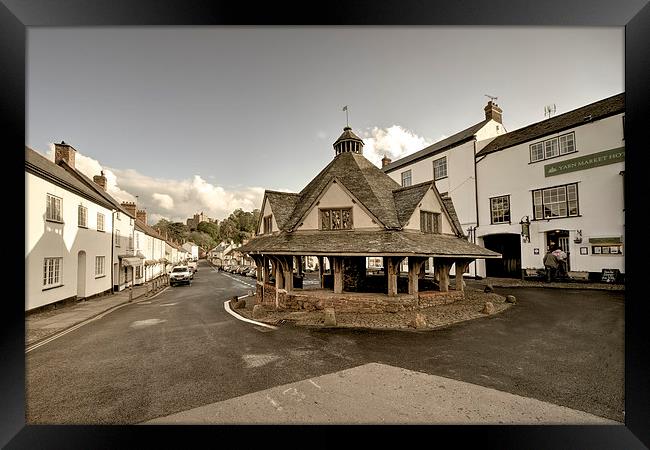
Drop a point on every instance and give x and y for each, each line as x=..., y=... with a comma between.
x=100, y=180
x=385, y=161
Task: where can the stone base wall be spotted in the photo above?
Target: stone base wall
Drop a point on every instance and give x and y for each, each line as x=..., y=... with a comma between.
x=357, y=303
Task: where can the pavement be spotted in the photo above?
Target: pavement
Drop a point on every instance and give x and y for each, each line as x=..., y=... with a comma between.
x=43, y=325
x=373, y=394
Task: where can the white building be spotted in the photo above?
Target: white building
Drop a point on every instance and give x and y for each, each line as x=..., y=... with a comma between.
x=68, y=231
x=192, y=249
x=564, y=175
x=450, y=162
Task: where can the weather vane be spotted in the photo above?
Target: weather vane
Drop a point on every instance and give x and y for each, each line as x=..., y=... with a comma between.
x=347, y=122
x=491, y=97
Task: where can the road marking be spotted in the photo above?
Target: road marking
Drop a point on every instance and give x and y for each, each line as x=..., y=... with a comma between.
x=147, y=322
x=240, y=281
x=312, y=382
x=226, y=306
x=168, y=304
x=275, y=404
x=81, y=324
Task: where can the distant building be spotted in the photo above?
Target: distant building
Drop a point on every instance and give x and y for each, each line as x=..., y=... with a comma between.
x=192, y=249
x=193, y=222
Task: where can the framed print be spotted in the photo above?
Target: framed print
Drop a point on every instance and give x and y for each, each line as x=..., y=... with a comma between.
x=583, y=250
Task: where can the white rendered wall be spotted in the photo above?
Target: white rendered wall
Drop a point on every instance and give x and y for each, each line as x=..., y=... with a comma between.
x=45, y=239
x=336, y=197
x=600, y=195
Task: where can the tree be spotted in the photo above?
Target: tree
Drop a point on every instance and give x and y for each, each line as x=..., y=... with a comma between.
x=202, y=240
x=209, y=228
x=175, y=230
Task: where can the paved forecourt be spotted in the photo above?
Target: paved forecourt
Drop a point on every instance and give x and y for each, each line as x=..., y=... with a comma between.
x=381, y=394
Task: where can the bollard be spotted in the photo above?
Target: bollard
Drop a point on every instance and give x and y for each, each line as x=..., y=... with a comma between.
x=130, y=293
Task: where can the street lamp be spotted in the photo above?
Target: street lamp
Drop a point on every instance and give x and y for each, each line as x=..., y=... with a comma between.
x=525, y=228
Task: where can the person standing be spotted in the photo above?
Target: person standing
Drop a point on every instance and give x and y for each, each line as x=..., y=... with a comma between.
x=561, y=257
x=550, y=264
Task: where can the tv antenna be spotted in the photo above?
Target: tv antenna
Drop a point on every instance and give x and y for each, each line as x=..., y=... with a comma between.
x=549, y=110
x=491, y=97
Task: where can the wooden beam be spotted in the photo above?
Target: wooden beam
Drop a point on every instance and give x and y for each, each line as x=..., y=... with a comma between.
x=415, y=264
x=321, y=271
x=461, y=268
x=393, y=271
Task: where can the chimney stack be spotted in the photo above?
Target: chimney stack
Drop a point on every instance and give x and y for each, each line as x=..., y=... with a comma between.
x=492, y=111
x=100, y=180
x=385, y=161
x=130, y=208
x=64, y=152
x=142, y=216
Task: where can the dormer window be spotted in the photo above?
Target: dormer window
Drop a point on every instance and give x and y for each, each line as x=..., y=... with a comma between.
x=336, y=219
x=268, y=224
x=430, y=222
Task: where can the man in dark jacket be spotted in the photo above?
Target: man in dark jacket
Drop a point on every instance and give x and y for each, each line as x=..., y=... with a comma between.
x=550, y=264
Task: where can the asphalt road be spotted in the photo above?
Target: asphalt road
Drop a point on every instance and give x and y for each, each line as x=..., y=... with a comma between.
x=182, y=350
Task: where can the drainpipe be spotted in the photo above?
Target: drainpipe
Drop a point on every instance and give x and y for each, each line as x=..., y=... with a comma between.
x=475, y=203
x=113, y=252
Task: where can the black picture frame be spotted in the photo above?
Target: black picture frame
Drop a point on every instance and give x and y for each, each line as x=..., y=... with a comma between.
x=17, y=15
x=584, y=250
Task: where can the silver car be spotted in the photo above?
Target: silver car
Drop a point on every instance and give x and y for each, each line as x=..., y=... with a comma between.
x=180, y=275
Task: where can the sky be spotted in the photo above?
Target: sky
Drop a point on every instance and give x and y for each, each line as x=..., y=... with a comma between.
x=192, y=119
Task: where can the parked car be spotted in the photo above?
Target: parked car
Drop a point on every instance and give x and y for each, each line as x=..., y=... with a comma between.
x=252, y=272
x=194, y=267
x=180, y=275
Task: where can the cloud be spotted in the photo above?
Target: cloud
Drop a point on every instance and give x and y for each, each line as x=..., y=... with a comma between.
x=164, y=201
x=394, y=142
x=171, y=199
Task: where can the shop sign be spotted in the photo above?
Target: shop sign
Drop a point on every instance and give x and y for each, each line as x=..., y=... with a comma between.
x=585, y=162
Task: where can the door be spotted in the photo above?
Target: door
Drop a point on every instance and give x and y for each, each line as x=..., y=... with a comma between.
x=561, y=238
x=509, y=245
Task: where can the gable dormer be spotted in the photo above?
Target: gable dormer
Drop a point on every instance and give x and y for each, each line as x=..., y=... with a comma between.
x=267, y=223
x=336, y=208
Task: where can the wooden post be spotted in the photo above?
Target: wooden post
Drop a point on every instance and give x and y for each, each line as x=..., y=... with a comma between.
x=265, y=267
x=415, y=264
x=443, y=271
x=321, y=271
x=337, y=269
x=461, y=267
x=279, y=275
x=393, y=271
x=287, y=263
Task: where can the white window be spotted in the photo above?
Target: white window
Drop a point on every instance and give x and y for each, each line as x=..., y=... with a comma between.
x=100, y=222
x=117, y=215
x=117, y=237
x=406, y=178
x=100, y=266
x=550, y=148
x=440, y=168
x=559, y=201
x=137, y=240
x=52, y=272
x=53, y=208
x=567, y=144
x=130, y=242
x=500, y=209
x=537, y=152
x=83, y=216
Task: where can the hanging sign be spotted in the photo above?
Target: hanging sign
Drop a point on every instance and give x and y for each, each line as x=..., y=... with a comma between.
x=585, y=162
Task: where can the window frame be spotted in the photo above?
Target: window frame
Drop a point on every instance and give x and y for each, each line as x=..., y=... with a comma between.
x=48, y=209
x=492, y=221
x=410, y=178
x=117, y=237
x=79, y=215
x=103, y=222
x=268, y=224
x=436, y=222
x=102, y=266
x=557, y=146
x=566, y=202
x=446, y=168
x=321, y=211
x=49, y=272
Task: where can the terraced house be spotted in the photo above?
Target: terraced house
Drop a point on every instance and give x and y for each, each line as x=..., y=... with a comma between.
x=349, y=212
x=68, y=231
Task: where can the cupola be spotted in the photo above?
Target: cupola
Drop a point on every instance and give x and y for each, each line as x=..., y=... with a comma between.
x=348, y=142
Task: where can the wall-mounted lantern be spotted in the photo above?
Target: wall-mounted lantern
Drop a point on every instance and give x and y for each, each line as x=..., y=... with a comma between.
x=525, y=228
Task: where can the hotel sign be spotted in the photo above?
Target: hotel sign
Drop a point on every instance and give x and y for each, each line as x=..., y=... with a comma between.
x=585, y=162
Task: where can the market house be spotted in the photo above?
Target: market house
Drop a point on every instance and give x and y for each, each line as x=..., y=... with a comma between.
x=351, y=212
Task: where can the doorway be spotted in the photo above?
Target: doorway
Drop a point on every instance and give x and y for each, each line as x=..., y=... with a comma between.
x=561, y=238
x=509, y=245
x=81, y=275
